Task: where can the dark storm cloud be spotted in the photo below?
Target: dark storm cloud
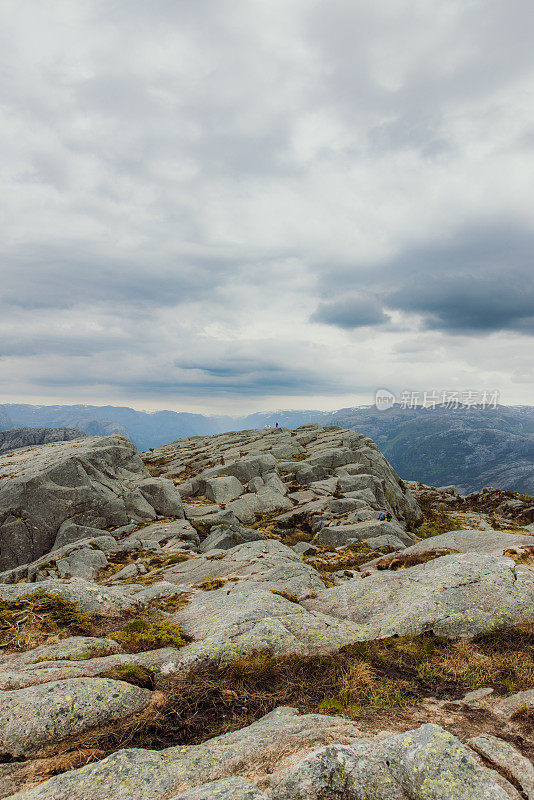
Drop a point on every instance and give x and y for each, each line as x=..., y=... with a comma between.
x=481, y=282
x=45, y=276
x=478, y=281
x=248, y=378
x=354, y=311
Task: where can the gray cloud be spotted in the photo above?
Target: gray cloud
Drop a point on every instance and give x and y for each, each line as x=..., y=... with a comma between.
x=482, y=281
x=478, y=280
x=355, y=311
x=189, y=188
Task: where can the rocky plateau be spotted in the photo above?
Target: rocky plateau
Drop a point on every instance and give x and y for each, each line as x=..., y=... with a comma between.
x=266, y=614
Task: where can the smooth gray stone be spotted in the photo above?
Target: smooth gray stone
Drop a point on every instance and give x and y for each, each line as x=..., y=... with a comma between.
x=266, y=563
x=17, y=438
x=507, y=760
x=226, y=789
x=223, y=489
x=226, y=537
x=35, y=718
x=456, y=596
x=136, y=774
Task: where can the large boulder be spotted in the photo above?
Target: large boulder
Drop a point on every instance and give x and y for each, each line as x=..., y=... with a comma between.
x=82, y=559
x=252, y=505
x=33, y=719
x=244, y=468
x=94, y=482
x=224, y=537
x=340, y=535
x=292, y=757
x=473, y=541
x=455, y=596
x=237, y=622
x=424, y=764
x=223, y=489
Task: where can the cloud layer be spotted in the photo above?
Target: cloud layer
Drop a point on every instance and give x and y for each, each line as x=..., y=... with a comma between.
x=232, y=204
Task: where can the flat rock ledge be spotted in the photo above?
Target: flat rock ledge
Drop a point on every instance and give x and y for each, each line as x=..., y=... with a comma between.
x=285, y=756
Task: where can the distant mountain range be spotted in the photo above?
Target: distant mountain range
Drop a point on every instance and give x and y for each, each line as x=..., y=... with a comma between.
x=468, y=446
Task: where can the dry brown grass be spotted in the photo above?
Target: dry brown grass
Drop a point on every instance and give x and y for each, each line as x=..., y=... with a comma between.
x=385, y=678
x=216, y=699
x=522, y=555
x=401, y=560
x=35, y=618
x=328, y=561
x=210, y=584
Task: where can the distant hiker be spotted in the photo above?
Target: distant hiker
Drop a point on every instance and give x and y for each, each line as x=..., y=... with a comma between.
x=388, y=516
x=381, y=517
x=276, y=426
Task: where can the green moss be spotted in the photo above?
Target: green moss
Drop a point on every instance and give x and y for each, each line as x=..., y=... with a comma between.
x=439, y=522
x=211, y=584
x=140, y=635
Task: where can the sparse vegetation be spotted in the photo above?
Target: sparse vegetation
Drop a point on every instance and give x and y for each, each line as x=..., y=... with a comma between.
x=132, y=673
x=404, y=560
x=211, y=584
x=155, y=562
x=436, y=523
x=291, y=597
x=328, y=561
x=140, y=635
x=30, y=620
x=393, y=673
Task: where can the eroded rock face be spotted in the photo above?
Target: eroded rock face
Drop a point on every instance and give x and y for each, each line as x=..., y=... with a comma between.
x=94, y=482
x=348, y=461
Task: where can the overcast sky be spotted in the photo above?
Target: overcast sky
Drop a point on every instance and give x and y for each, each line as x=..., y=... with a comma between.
x=222, y=205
